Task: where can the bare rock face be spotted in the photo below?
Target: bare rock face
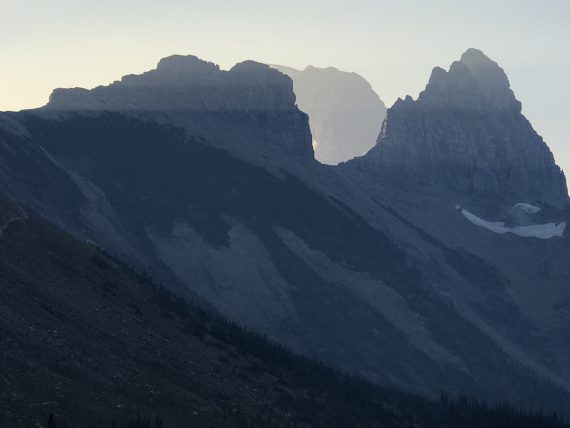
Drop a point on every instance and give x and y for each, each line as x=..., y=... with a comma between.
x=522, y=214
x=186, y=83
x=466, y=132
x=345, y=113
x=194, y=94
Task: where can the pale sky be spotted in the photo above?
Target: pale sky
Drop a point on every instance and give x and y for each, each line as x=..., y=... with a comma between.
x=394, y=44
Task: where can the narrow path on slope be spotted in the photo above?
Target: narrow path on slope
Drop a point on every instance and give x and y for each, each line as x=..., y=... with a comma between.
x=23, y=216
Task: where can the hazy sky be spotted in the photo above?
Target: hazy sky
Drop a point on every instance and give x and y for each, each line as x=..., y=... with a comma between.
x=394, y=44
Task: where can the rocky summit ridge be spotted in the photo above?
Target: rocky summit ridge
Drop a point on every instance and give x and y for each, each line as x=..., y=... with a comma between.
x=185, y=83
x=254, y=101
x=466, y=132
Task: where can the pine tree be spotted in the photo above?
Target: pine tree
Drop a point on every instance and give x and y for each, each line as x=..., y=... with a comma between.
x=51, y=421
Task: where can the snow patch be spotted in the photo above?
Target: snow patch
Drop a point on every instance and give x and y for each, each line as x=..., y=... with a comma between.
x=540, y=231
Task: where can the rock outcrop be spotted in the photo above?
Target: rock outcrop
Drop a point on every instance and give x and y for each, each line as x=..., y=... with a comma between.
x=466, y=132
x=186, y=83
x=345, y=113
x=197, y=95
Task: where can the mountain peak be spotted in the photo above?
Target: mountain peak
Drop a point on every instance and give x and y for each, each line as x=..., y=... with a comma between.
x=185, y=63
x=251, y=67
x=466, y=132
x=185, y=82
x=193, y=94
x=475, y=56
x=475, y=82
x=485, y=70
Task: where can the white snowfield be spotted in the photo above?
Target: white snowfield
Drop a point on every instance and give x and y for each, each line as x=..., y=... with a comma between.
x=540, y=231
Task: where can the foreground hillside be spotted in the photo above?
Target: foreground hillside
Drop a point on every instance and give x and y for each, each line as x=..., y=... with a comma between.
x=86, y=339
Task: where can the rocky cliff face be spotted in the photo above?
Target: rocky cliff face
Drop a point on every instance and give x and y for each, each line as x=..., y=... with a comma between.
x=186, y=83
x=344, y=111
x=197, y=95
x=466, y=132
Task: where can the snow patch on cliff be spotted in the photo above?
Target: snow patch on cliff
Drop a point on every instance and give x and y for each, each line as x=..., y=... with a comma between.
x=540, y=231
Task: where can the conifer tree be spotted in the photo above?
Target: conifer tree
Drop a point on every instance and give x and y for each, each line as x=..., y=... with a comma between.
x=51, y=421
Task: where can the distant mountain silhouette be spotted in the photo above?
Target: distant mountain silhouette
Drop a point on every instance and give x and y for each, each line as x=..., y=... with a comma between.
x=345, y=113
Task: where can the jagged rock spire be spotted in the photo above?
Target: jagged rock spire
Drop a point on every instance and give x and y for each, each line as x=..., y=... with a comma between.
x=466, y=132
